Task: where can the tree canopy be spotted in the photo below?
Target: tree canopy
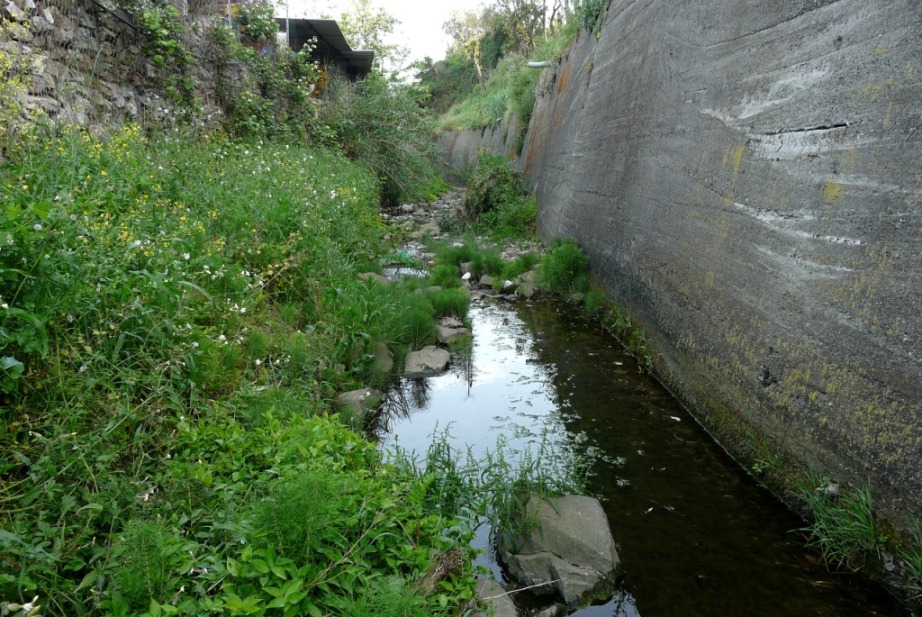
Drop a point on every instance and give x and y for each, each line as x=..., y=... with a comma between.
x=366, y=26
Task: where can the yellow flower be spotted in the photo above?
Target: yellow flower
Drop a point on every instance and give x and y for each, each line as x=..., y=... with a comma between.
x=25, y=187
x=103, y=173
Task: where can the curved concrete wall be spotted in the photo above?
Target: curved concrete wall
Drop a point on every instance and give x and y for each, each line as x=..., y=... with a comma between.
x=746, y=177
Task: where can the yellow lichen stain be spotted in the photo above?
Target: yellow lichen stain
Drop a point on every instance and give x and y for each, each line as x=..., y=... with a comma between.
x=872, y=90
x=832, y=191
x=911, y=71
x=888, y=117
x=880, y=51
x=709, y=279
x=738, y=158
x=851, y=158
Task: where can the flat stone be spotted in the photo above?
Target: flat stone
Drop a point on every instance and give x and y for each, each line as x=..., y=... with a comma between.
x=427, y=361
x=451, y=322
x=486, y=281
x=448, y=335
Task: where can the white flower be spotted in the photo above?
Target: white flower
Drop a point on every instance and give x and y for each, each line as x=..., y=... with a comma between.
x=37, y=227
x=222, y=338
x=186, y=256
x=258, y=362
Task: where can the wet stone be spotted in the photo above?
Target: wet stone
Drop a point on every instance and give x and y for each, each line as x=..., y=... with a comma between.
x=427, y=361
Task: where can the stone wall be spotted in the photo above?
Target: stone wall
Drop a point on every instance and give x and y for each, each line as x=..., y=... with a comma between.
x=746, y=178
x=84, y=63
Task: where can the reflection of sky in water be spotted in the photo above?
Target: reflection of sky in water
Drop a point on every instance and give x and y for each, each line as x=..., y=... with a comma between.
x=509, y=393
x=504, y=392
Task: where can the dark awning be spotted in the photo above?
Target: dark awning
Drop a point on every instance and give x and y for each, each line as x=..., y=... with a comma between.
x=332, y=47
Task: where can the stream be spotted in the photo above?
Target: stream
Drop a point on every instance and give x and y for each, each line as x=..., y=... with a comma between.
x=697, y=536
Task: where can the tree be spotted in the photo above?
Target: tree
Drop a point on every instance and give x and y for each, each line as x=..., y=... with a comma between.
x=467, y=30
x=524, y=20
x=446, y=81
x=366, y=26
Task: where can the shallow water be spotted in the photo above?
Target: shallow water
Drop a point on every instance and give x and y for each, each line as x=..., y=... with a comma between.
x=696, y=535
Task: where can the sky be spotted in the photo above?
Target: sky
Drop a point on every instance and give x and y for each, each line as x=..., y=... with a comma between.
x=420, y=27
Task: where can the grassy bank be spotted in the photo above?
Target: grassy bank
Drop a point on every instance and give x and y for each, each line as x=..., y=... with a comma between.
x=175, y=316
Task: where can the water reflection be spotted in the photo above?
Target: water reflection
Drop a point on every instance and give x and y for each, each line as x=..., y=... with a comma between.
x=496, y=390
x=696, y=535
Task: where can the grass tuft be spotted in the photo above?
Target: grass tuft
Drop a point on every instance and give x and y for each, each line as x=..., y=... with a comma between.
x=843, y=528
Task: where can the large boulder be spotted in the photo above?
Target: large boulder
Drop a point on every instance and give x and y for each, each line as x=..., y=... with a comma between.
x=569, y=549
x=427, y=361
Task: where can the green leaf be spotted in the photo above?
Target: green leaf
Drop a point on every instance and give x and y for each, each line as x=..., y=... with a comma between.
x=238, y=606
x=313, y=610
x=8, y=363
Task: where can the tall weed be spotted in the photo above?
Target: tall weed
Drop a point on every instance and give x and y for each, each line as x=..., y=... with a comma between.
x=843, y=528
x=565, y=269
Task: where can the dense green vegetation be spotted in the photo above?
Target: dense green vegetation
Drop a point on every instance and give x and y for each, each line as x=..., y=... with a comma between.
x=176, y=314
x=178, y=310
x=485, y=77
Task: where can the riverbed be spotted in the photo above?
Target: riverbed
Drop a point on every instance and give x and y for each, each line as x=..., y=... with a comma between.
x=697, y=535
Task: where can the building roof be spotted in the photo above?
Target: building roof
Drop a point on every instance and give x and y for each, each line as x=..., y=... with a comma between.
x=331, y=46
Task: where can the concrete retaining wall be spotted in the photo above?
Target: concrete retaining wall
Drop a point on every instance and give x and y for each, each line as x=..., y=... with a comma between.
x=746, y=177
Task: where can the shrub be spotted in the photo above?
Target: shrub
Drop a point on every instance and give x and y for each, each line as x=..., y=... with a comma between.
x=514, y=219
x=492, y=184
x=257, y=22
x=380, y=125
